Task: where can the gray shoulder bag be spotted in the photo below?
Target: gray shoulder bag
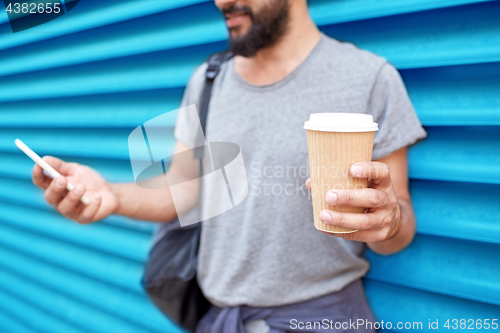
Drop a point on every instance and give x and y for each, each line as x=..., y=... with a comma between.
x=170, y=273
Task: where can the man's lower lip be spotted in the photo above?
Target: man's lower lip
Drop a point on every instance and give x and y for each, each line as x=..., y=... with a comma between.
x=235, y=21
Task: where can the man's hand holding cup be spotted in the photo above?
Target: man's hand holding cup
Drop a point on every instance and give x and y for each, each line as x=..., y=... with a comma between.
x=382, y=216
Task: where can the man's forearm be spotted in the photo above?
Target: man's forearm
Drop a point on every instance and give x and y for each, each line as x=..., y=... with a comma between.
x=157, y=204
x=144, y=204
x=405, y=234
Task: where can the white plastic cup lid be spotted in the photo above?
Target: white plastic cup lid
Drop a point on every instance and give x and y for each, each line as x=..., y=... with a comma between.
x=341, y=122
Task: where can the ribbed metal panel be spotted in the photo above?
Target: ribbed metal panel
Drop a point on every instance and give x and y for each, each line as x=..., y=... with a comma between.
x=76, y=86
x=395, y=303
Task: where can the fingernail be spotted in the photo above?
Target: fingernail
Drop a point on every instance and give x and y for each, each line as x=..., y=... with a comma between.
x=357, y=169
x=331, y=197
x=60, y=182
x=79, y=189
x=324, y=216
x=97, y=196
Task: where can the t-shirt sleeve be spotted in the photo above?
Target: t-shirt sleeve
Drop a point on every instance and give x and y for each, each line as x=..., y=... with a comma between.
x=392, y=110
x=188, y=123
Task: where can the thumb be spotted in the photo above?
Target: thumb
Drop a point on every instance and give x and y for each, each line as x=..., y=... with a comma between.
x=64, y=168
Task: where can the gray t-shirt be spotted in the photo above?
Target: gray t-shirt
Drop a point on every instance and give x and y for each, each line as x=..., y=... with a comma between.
x=266, y=251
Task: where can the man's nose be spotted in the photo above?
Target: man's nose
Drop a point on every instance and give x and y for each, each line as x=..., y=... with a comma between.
x=223, y=3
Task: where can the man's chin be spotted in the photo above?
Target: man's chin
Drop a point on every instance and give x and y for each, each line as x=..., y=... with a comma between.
x=238, y=31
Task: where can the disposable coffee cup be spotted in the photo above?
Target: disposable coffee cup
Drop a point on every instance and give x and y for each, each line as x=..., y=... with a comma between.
x=335, y=142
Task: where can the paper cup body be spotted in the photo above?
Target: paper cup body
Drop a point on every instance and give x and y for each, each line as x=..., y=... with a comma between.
x=335, y=142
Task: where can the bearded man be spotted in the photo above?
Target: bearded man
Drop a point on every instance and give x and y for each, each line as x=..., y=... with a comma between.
x=263, y=265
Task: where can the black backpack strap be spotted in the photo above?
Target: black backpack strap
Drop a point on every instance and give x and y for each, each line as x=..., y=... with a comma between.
x=214, y=63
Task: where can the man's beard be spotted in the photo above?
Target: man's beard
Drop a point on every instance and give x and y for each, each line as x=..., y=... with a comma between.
x=268, y=26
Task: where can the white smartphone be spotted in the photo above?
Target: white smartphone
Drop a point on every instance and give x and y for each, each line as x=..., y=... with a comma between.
x=46, y=166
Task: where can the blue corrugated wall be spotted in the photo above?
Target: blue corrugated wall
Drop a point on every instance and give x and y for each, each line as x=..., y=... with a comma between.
x=75, y=88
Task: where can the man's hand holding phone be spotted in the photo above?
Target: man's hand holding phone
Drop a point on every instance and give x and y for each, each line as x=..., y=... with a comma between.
x=87, y=182
x=82, y=194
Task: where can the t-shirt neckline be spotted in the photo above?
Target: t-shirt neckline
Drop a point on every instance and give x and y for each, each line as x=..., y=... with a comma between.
x=280, y=82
